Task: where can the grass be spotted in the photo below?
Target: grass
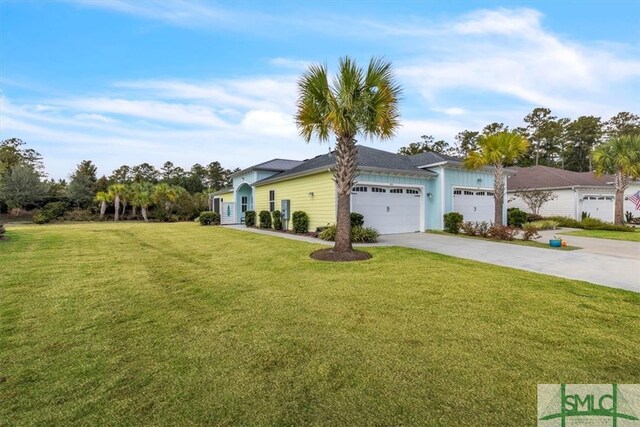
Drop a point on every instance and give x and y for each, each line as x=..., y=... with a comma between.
x=178, y=324
x=520, y=242
x=603, y=234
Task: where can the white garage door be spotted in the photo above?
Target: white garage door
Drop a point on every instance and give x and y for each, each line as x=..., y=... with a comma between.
x=600, y=207
x=474, y=205
x=389, y=209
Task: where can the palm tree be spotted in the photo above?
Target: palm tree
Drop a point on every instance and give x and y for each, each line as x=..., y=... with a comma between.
x=116, y=191
x=164, y=194
x=620, y=156
x=141, y=197
x=104, y=198
x=497, y=150
x=357, y=102
x=127, y=193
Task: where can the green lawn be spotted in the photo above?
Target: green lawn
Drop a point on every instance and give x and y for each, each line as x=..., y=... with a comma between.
x=602, y=234
x=177, y=324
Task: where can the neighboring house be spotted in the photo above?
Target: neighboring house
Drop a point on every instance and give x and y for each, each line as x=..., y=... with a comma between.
x=576, y=192
x=396, y=194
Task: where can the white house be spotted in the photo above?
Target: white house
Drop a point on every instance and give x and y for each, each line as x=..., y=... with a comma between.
x=576, y=192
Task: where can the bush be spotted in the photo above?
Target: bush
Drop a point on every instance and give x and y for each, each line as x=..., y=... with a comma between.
x=209, y=218
x=468, y=228
x=563, y=221
x=2, y=231
x=80, y=215
x=51, y=211
x=531, y=217
x=358, y=234
x=628, y=216
x=452, y=222
x=277, y=220
x=357, y=220
x=545, y=224
x=502, y=232
x=475, y=228
x=250, y=218
x=530, y=232
x=516, y=217
x=265, y=219
x=300, y=221
x=364, y=234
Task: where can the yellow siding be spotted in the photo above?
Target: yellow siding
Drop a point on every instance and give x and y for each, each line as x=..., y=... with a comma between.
x=321, y=207
x=226, y=197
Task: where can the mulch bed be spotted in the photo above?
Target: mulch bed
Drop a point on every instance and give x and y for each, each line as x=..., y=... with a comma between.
x=332, y=256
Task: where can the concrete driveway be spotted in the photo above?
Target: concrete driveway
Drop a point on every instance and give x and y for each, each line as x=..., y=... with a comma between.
x=609, y=269
x=617, y=248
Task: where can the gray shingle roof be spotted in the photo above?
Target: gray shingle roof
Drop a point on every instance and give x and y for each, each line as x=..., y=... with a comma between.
x=368, y=159
x=430, y=158
x=276, y=165
x=548, y=177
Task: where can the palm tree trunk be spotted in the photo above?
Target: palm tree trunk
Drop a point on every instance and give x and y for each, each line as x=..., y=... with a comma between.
x=498, y=193
x=103, y=208
x=143, y=210
x=621, y=183
x=124, y=207
x=133, y=212
x=117, y=208
x=346, y=165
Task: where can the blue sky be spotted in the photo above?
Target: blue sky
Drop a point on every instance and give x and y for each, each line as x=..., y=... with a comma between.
x=126, y=82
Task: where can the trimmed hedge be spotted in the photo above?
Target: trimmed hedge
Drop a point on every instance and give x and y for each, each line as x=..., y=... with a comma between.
x=453, y=222
x=300, y=221
x=357, y=219
x=358, y=234
x=277, y=220
x=209, y=218
x=265, y=219
x=250, y=218
x=516, y=217
x=589, y=224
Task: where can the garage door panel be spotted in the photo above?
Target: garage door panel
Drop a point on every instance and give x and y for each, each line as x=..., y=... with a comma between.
x=599, y=207
x=387, y=211
x=474, y=205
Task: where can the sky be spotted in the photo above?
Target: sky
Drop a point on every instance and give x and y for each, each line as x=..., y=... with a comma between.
x=131, y=81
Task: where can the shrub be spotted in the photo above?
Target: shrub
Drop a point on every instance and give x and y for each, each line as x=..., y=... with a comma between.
x=585, y=215
x=591, y=223
x=358, y=234
x=482, y=229
x=530, y=232
x=516, y=217
x=277, y=220
x=300, y=221
x=265, y=219
x=545, y=224
x=209, y=218
x=563, y=221
x=531, y=217
x=250, y=218
x=468, y=228
x=502, y=232
x=51, y=211
x=452, y=222
x=328, y=233
x=610, y=227
x=80, y=215
x=2, y=231
x=628, y=216
x=357, y=220
x=364, y=234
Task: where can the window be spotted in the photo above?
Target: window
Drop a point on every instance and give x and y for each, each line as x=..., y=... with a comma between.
x=457, y=192
x=396, y=191
x=244, y=202
x=378, y=190
x=468, y=193
x=480, y=193
x=413, y=191
x=360, y=189
x=489, y=193
x=272, y=200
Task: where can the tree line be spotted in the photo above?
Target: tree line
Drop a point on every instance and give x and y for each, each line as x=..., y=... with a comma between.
x=129, y=191
x=554, y=141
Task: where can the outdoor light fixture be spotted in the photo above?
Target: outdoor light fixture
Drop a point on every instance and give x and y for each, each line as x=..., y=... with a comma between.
x=311, y=194
x=429, y=195
x=479, y=181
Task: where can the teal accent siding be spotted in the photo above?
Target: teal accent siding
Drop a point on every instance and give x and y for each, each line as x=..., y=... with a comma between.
x=264, y=174
x=465, y=178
